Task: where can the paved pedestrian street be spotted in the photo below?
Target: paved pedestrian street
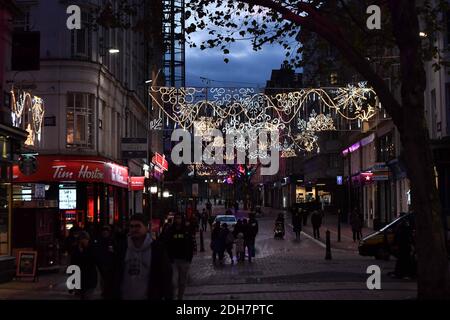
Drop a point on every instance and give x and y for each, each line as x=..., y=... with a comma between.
x=287, y=269
x=282, y=270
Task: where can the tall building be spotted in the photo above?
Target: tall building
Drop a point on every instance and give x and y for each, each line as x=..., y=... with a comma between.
x=11, y=139
x=92, y=84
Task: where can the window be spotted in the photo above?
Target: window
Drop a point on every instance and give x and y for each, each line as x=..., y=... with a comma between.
x=386, y=148
x=81, y=39
x=79, y=120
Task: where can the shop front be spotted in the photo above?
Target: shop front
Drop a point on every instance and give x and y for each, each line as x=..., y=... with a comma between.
x=11, y=140
x=53, y=194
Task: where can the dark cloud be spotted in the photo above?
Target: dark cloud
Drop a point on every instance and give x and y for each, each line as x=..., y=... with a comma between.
x=245, y=68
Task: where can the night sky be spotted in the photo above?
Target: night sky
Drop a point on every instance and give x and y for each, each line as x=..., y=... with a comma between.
x=246, y=68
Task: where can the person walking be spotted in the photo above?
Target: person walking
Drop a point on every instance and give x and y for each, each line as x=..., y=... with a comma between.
x=236, y=207
x=237, y=228
x=297, y=222
x=215, y=242
x=229, y=241
x=181, y=250
x=83, y=256
x=356, y=225
x=252, y=232
x=211, y=222
x=105, y=251
x=209, y=207
x=144, y=271
x=204, y=219
x=316, y=221
x=240, y=247
x=403, y=240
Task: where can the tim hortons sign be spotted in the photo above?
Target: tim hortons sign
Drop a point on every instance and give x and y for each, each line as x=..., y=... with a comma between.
x=83, y=169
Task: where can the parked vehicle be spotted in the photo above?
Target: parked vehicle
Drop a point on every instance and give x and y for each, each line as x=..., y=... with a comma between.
x=230, y=220
x=380, y=244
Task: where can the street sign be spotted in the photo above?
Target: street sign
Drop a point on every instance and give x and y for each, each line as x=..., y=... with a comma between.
x=134, y=148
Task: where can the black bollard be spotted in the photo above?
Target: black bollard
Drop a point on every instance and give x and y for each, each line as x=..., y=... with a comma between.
x=328, y=249
x=202, y=244
x=339, y=225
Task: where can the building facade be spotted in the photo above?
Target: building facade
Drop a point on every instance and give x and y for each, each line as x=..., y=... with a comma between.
x=92, y=85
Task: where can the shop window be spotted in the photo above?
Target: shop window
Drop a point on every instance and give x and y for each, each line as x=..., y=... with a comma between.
x=386, y=148
x=79, y=120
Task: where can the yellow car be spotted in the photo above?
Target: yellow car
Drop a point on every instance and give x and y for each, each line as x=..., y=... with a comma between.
x=380, y=244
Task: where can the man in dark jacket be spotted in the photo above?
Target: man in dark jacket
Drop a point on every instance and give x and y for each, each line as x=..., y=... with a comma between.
x=83, y=257
x=316, y=221
x=105, y=250
x=144, y=270
x=252, y=231
x=181, y=251
x=297, y=221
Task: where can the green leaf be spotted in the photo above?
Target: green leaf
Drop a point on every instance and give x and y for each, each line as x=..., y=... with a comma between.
x=226, y=60
x=226, y=51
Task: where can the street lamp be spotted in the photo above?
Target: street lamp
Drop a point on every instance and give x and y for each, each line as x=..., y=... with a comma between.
x=113, y=50
x=166, y=194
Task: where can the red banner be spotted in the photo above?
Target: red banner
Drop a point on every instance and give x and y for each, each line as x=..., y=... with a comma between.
x=137, y=183
x=71, y=168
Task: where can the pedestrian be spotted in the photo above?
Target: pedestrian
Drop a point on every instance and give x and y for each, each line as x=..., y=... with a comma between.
x=192, y=228
x=211, y=221
x=240, y=247
x=229, y=241
x=356, y=225
x=181, y=250
x=316, y=221
x=204, y=219
x=305, y=214
x=237, y=228
x=297, y=222
x=83, y=257
x=209, y=207
x=144, y=271
x=236, y=207
x=216, y=244
x=105, y=251
x=403, y=241
x=252, y=228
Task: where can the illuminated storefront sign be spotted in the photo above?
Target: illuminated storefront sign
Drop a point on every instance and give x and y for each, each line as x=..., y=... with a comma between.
x=83, y=169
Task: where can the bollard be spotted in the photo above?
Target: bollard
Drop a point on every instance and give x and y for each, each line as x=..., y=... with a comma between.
x=328, y=248
x=339, y=225
x=202, y=244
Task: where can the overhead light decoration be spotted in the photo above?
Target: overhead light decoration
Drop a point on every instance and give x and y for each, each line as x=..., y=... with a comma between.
x=245, y=113
x=27, y=112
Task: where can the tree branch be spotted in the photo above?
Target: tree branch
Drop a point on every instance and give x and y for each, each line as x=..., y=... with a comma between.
x=315, y=22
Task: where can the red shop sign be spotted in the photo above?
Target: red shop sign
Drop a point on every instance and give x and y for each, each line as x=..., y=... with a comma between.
x=83, y=169
x=137, y=183
x=160, y=161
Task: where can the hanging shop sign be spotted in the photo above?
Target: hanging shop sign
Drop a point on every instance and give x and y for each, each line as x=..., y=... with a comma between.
x=136, y=183
x=83, y=169
x=160, y=161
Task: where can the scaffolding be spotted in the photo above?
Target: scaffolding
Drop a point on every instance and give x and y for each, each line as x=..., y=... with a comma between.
x=174, y=44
